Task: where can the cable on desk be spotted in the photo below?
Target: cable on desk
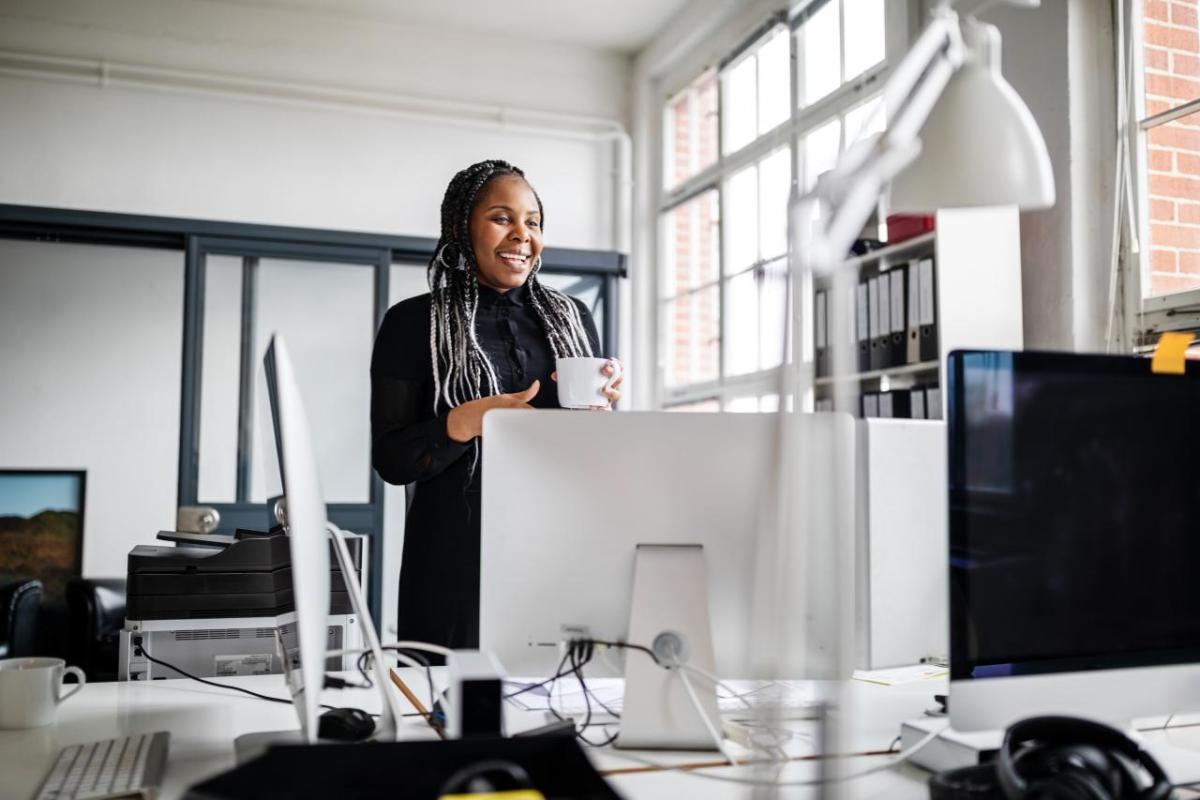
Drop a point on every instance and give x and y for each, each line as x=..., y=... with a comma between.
x=140, y=650
x=578, y=654
x=531, y=686
x=406, y=655
x=578, y=660
x=717, y=738
x=581, y=651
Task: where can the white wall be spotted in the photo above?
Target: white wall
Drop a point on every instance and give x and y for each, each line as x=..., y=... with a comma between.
x=90, y=353
x=286, y=41
x=135, y=151
x=1059, y=58
x=170, y=152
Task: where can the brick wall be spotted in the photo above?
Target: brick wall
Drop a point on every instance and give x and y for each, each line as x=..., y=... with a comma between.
x=691, y=326
x=1171, y=39
x=692, y=322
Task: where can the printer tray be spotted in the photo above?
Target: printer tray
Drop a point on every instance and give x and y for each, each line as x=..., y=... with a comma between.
x=556, y=766
x=209, y=606
x=280, y=580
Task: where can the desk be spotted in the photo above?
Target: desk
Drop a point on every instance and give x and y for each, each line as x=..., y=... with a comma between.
x=204, y=721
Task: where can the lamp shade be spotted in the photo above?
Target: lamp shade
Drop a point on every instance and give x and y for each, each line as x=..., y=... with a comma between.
x=980, y=145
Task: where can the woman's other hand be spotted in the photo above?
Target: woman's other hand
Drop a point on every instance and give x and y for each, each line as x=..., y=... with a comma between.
x=613, y=392
x=465, y=422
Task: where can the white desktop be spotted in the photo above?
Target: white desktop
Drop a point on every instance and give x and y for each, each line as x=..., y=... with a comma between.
x=568, y=497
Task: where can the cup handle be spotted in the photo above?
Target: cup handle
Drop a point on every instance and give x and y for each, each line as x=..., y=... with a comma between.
x=79, y=676
x=617, y=369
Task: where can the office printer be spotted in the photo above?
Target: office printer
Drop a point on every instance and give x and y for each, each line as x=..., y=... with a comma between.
x=210, y=604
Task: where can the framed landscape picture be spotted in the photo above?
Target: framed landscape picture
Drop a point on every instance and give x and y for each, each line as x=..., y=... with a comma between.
x=41, y=526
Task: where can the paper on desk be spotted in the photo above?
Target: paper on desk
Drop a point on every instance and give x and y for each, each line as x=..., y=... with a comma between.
x=607, y=695
x=898, y=675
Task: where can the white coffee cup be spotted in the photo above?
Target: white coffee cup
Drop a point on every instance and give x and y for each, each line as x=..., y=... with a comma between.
x=581, y=381
x=32, y=688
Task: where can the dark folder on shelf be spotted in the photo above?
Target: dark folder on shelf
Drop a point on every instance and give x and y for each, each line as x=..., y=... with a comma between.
x=862, y=320
x=897, y=402
x=916, y=402
x=877, y=311
x=912, y=331
x=870, y=404
x=821, y=331
x=928, y=310
x=933, y=402
x=896, y=348
x=886, y=406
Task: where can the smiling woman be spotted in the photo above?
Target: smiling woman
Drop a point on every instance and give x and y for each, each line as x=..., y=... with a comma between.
x=485, y=336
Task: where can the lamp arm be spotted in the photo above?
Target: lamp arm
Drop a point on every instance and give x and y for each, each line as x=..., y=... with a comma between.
x=852, y=188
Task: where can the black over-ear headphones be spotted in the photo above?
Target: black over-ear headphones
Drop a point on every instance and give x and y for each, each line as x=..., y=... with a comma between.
x=1067, y=758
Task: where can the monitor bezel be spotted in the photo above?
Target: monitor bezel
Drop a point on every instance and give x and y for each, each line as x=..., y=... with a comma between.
x=1114, y=689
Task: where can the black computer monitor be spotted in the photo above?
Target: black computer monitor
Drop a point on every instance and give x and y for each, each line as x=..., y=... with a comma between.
x=1074, y=503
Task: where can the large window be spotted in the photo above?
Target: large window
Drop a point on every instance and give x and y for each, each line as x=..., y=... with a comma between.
x=1171, y=144
x=775, y=114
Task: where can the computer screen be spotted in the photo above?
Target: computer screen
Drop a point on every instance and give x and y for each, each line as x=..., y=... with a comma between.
x=1074, y=504
x=41, y=526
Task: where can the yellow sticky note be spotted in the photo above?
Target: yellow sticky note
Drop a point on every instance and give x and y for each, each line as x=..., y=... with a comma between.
x=513, y=794
x=1169, y=354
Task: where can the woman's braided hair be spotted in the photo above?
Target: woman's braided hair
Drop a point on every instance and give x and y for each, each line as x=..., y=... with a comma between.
x=461, y=369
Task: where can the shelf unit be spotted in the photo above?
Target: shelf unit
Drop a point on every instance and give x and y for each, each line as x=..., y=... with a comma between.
x=977, y=295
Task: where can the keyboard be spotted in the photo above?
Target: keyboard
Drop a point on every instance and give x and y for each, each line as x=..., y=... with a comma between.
x=131, y=766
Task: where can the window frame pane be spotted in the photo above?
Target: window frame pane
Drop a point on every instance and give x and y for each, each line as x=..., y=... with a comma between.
x=1156, y=106
x=735, y=156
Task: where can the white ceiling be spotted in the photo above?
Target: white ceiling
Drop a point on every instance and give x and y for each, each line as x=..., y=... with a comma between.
x=624, y=26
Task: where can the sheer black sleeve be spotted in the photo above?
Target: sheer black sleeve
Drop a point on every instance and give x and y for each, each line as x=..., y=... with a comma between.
x=408, y=441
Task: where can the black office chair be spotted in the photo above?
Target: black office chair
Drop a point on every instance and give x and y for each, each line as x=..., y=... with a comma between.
x=95, y=617
x=20, y=599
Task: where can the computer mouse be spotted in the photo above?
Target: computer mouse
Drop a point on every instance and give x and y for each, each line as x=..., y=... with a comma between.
x=345, y=725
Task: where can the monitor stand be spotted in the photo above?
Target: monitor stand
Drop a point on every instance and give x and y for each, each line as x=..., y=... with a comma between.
x=669, y=608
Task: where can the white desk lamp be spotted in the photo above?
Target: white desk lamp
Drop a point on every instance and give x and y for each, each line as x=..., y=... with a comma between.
x=958, y=135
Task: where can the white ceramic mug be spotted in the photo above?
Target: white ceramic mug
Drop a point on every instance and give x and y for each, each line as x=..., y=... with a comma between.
x=581, y=381
x=32, y=688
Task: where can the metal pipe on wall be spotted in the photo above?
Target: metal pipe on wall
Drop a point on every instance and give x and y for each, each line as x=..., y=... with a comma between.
x=575, y=127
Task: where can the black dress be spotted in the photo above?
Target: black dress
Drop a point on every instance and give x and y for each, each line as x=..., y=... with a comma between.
x=439, y=573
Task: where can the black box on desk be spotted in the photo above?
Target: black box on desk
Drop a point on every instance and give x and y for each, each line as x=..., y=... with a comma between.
x=556, y=766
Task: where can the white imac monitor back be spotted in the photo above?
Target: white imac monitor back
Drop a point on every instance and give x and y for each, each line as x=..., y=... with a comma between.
x=568, y=496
